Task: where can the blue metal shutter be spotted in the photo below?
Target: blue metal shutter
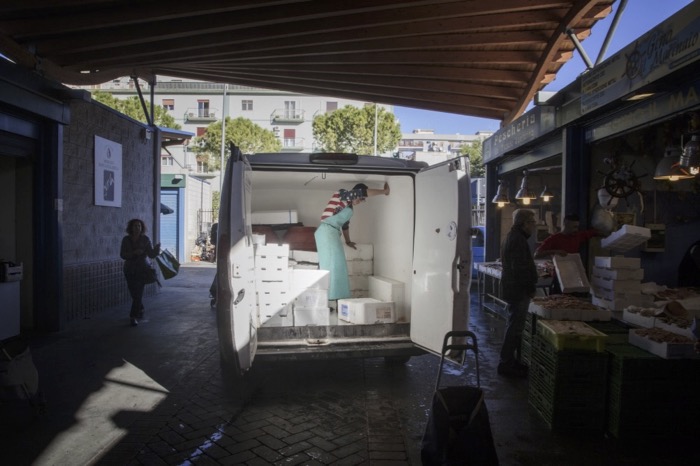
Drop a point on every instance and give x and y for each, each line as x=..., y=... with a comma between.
x=169, y=232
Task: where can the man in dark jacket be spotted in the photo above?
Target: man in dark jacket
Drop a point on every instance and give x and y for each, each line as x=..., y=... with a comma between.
x=518, y=282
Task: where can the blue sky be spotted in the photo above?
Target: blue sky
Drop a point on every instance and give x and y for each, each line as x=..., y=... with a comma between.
x=639, y=17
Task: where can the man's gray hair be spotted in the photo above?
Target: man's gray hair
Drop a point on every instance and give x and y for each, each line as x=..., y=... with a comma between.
x=521, y=216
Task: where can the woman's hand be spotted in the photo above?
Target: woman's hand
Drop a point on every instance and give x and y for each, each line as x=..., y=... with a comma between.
x=386, y=189
x=350, y=244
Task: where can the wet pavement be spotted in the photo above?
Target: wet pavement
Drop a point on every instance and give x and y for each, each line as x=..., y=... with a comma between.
x=153, y=394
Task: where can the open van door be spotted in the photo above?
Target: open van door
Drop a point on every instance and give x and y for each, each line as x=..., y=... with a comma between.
x=436, y=261
x=236, y=301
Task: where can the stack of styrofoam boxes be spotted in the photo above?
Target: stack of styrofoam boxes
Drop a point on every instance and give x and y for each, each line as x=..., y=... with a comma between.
x=307, y=260
x=360, y=267
x=616, y=283
x=391, y=291
x=309, y=292
x=366, y=311
x=272, y=284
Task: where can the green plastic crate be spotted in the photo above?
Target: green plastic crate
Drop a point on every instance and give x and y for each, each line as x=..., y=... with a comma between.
x=578, y=336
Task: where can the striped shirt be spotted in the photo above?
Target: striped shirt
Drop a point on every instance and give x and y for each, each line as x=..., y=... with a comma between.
x=340, y=200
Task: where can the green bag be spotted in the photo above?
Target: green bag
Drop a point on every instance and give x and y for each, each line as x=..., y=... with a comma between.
x=169, y=265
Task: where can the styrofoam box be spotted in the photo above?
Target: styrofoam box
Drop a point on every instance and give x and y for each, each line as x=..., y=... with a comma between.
x=556, y=314
x=302, y=266
x=571, y=274
x=366, y=311
x=618, y=274
x=258, y=240
x=625, y=286
x=312, y=298
x=665, y=350
x=685, y=331
x=271, y=217
x=278, y=321
x=311, y=316
x=637, y=319
x=363, y=252
x=304, y=256
x=619, y=304
x=359, y=282
x=276, y=316
x=632, y=297
x=388, y=290
x=618, y=262
x=626, y=238
x=272, y=252
x=301, y=279
x=360, y=267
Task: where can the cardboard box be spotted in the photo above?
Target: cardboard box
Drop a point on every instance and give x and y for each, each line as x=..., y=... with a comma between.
x=273, y=217
x=366, y=311
x=618, y=262
x=387, y=290
x=664, y=350
x=311, y=316
x=571, y=274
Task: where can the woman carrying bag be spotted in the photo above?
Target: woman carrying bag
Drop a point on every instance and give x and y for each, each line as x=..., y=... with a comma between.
x=137, y=250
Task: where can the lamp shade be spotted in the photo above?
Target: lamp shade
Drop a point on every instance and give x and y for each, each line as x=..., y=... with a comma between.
x=546, y=194
x=501, y=197
x=690, y=158
x=669, y=167
x=524, y=192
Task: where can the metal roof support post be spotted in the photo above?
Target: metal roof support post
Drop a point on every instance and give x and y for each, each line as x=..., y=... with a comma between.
x=493, y=216
x=611, y=32
x=579, y=47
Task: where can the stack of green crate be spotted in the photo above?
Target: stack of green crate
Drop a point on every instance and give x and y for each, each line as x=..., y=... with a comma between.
x=526, y=341
x=568, y=387
x=649, y=396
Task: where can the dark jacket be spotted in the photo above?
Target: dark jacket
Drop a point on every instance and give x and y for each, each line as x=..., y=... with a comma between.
x=134, y=263
x=519, y=276
x=689, y=268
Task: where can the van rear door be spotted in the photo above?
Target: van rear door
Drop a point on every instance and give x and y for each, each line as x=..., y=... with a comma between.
x=435, y=256
x=236, y=300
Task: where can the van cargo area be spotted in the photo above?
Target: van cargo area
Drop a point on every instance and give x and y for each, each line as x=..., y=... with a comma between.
x=405, y=272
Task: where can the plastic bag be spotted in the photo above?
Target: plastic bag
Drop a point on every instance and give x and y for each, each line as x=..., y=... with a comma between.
x=169, y=265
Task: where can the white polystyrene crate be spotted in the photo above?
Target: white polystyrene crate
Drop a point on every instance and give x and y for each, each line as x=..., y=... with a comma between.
x=366, y=311
x=618, y=274
x=278, y=321
x=624, y=286
x=270, y=251
x=360, y=267
x=272, y=217
x=258, y=240
x=359, y=282
x=388, y=290
x=665, y=350
x=303, y=265
x=304, y=256
x=626, y=238
x=685, y=331
x=636, y=318
x=311, y=298
x=640, y=300
x=618, y=262
x=301, y=279
x=311, y=316
x=363, y=252
x=571, y=274
x=632, y=297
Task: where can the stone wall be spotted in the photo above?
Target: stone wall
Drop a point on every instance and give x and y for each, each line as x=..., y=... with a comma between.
x=92, y=234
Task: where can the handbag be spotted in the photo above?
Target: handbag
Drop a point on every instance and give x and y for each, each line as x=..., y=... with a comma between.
x=168, y=264
x=150, y=275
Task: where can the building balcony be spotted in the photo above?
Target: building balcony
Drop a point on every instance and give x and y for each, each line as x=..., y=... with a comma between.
x=194, y=115
x=287, y=116
x=291, y=145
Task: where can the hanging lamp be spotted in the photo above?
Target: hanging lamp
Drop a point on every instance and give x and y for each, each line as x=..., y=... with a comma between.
x=501, y=197
x=524, y=192
x=669, y=167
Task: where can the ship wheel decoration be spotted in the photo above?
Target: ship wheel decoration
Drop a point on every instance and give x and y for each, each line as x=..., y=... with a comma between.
x=620, y=181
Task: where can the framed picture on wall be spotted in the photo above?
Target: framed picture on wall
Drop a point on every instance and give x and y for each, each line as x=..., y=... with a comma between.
x=624, y=218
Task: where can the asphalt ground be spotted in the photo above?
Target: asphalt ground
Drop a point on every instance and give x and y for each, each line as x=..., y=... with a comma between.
x=154, y=395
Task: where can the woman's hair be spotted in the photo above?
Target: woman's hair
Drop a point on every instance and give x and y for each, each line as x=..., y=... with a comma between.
x=134, y=221
x=521, y=216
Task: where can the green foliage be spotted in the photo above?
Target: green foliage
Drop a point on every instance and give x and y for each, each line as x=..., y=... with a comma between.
x=132, y=108
x=215, y=203
x=246, y=135
x=476, y=160
x=351, y=129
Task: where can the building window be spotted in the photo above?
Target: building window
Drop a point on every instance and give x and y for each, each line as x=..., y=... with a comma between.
x=290, y=109
x=167, y=161
x=203, y=108
x=331, y=107
x=289, y=138
x=247, y=105
x=201, y=130
x=169, y=104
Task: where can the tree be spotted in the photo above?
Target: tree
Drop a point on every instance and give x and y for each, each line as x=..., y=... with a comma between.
x=132, y=108
x=246, y=135
x=351, y=129
x=476, y=160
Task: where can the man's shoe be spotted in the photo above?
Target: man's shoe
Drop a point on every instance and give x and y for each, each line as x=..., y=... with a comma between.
x=134, y=322
x=512, y=369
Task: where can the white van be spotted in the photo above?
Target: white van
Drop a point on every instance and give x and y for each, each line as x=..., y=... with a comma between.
x=415, y=244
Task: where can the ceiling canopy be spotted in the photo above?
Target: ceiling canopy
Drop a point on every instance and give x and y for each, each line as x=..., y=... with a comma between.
x=483, y=58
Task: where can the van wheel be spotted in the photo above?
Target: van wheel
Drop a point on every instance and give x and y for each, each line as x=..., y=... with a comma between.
x=397, y=360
